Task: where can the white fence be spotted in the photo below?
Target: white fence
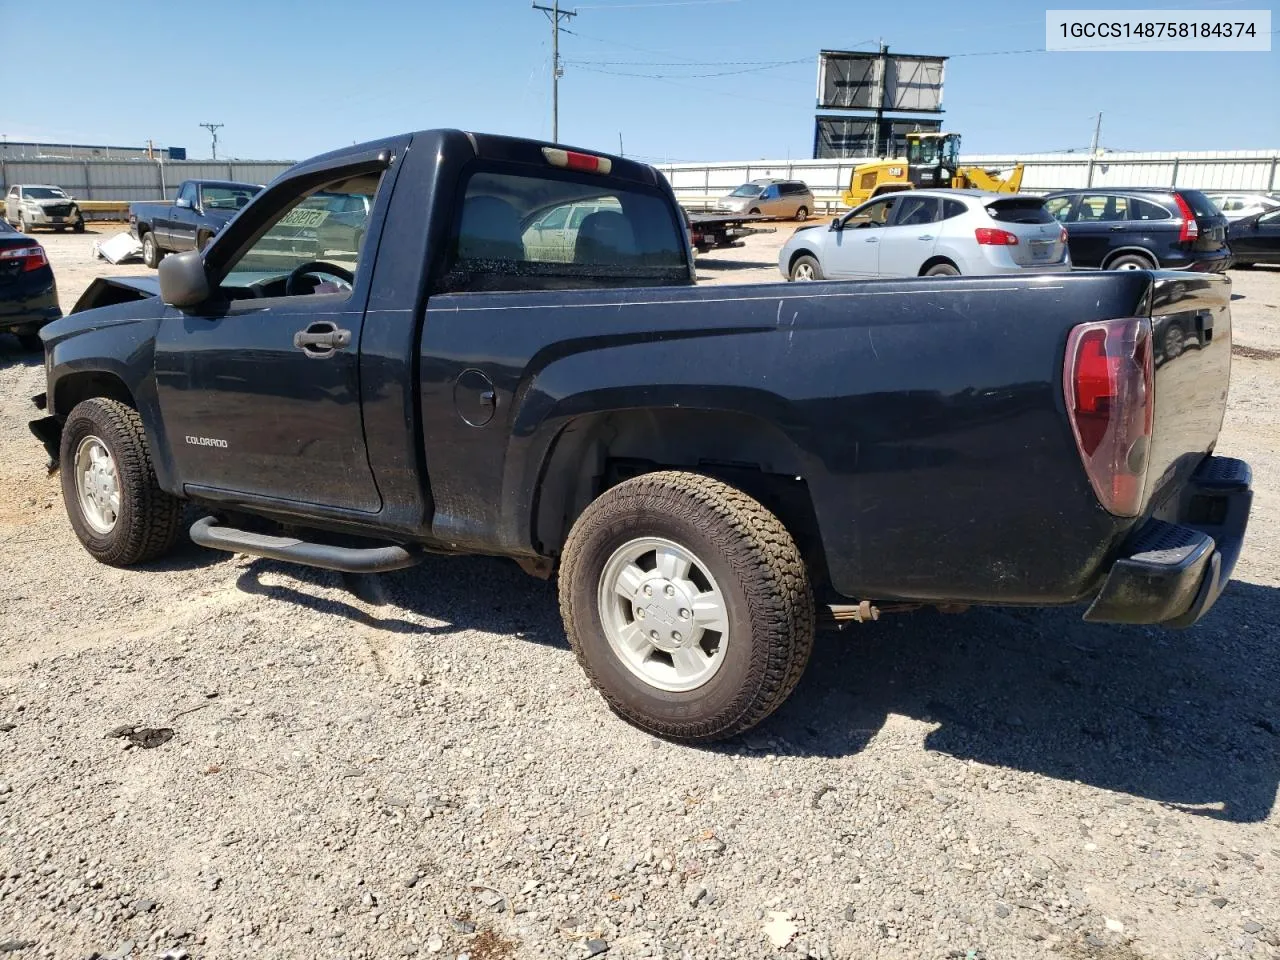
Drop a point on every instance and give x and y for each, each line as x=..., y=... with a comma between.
x=129, y=180
x=698, y=184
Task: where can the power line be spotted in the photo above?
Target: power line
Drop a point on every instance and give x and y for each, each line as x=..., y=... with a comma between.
x=555, y=15
x=691, y=76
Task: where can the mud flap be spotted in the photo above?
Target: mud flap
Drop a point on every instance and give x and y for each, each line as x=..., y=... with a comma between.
x=48, y=430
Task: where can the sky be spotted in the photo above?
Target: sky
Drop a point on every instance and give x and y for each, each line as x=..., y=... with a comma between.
x=667, y=80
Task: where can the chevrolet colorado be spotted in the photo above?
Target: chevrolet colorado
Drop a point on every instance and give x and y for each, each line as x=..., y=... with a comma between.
x=706, y=467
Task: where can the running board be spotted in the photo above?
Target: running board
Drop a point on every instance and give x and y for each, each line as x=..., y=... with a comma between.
x=207, y=533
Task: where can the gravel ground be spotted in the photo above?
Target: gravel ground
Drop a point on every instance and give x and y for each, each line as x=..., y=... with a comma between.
x=413, y=765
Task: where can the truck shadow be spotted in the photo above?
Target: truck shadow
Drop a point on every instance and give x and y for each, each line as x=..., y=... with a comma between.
x=1184, y=718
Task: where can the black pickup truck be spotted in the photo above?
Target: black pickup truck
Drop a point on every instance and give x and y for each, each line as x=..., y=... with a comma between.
x=201, y=209
x=707, y=468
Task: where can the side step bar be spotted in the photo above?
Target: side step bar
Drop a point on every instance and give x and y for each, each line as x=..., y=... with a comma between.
x=207, y=533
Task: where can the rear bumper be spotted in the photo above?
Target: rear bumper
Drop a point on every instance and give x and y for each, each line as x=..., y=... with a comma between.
x=1171, y=572
x=1200, y=263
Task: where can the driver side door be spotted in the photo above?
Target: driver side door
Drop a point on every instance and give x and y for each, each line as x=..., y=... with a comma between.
x=259, y=387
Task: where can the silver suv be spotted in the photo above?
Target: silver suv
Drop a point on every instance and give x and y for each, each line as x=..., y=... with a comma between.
x=42, y=205
x=772, y=198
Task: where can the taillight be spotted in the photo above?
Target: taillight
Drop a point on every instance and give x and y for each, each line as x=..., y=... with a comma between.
x=1190, y=229
x=570, y=160
x=32, y=257
x=1062, y=235
x=992, y=236
x=1108, y=381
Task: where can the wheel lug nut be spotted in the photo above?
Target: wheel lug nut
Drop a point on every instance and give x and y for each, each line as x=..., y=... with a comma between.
x=653, y=634
x=670, y=591
x=648, y=591
x=640, y=613
x=684, y=614
x=675, y=635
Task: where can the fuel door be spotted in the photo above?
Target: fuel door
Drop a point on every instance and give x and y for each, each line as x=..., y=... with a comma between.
x=474, y=397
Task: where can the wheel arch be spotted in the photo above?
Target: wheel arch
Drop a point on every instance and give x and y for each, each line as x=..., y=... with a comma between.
x=936, y=260
x=595, y=452
x=1130, y=250
x=801, y=252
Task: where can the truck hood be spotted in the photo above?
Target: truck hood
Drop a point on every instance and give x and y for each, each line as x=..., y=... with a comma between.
x=109, y=290
x=53, y=202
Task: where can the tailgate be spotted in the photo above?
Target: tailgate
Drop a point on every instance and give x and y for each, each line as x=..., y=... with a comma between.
x=1191, y=333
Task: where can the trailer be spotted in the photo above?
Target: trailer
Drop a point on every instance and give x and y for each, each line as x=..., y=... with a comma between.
x=716, y=231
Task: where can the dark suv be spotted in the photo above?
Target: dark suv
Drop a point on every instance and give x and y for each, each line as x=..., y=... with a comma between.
x=1142, y=228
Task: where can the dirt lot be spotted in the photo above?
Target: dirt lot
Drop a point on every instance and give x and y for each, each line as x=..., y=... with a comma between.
x=414, y=765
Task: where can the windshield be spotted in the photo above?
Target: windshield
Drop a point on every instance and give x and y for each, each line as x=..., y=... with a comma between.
x=228, y=198
x=45, y=193
x=748, y=190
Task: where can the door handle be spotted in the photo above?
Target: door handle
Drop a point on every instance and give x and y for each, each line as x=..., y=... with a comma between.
x=1118, y=226
x=321, y=339
x=927, y=236
x=872, y=239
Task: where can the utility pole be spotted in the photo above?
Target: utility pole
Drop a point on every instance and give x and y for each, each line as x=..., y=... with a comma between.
x=884, y=90
x=1093, y=150
x=213, y=131
x=555, y=15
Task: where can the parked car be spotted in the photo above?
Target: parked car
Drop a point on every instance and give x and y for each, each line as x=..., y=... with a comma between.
x=704, y=466
x=1255, y=239
x=29, y=205
x=930, y=233
x=28, y=293
x=789, y=199
x=1237, y=206
x=202, y=208
x=1142, y=229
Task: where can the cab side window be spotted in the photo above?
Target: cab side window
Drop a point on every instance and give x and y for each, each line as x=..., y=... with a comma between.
x=313, y=247
x=188, y=194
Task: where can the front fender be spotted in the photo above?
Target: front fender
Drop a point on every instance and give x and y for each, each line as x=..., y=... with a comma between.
x=88, y=353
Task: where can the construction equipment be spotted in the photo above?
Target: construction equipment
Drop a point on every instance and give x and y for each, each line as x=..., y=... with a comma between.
x=933, y=160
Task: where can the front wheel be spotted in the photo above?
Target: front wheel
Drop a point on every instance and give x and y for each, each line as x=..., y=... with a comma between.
x=802, y=214
x=79, y=226
x=688, y=605
x=109, y=486
x=942, y=270
x=806, y=268
x=22, y=224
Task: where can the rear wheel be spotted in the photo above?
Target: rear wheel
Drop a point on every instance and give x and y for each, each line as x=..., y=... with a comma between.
x=150, y=252
x=688, y=605
x=109, y=486
x=754, y=211
x=202, y=240
x=806, y=268
x=1131, y=261
x=942, y=270
x=802, y=213
x=79, y=226
x=1175, y=342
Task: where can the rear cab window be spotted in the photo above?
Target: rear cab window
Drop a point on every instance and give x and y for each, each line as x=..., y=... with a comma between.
x=557, y=230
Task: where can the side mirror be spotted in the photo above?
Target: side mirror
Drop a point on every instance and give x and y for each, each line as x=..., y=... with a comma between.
x=183, y=282
x=837, y=224
x=182, y=202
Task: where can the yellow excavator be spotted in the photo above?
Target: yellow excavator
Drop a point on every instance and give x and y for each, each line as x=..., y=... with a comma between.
x=933, y=160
